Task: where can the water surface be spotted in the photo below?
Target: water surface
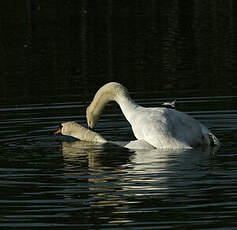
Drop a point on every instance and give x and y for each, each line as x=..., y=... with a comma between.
x=57, y=182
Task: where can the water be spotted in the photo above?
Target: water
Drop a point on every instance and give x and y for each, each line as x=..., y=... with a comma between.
x=53, y=60
x=58, y=183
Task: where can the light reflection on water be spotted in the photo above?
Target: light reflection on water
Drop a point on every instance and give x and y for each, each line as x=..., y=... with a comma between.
x=56, y=182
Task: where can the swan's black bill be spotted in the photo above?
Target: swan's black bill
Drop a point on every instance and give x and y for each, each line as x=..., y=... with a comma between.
x=59, y=131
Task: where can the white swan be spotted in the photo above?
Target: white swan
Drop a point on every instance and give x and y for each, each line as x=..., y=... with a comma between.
x=160, y=127
x=77, y=131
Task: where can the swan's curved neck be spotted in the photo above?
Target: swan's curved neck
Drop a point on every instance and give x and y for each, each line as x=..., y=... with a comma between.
x=112, y=92
x=127, y=106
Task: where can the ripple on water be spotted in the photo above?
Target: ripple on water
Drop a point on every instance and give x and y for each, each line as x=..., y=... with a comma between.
x=49, y=181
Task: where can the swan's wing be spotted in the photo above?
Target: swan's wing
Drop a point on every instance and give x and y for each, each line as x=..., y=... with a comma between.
x=155, y=127
x=168, y=128
x=187, y=129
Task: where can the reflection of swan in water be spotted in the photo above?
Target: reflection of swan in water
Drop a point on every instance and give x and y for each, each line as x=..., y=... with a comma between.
x=77, y=131
x=137, y=172
x=106, y=155
x=97, y=167
x=160, y=127
x=157, y=171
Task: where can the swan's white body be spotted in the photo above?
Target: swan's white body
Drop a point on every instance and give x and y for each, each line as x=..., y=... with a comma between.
x=160, y=127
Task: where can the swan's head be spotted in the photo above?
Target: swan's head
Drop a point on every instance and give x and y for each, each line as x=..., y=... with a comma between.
x=75, y=130
x=65, y=128
x=91, y=118
x=71, y=128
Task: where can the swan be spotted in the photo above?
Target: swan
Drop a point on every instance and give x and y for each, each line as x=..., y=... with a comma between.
x=159, y=127
x=73, y=129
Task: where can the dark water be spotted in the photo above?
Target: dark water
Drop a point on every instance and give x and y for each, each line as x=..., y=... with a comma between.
x=54, y=182
x=56, y=54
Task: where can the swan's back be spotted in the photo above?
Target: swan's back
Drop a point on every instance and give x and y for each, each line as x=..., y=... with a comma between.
x=168, y=128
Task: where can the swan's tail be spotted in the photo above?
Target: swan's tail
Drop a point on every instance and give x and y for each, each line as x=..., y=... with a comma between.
x=213, y=139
